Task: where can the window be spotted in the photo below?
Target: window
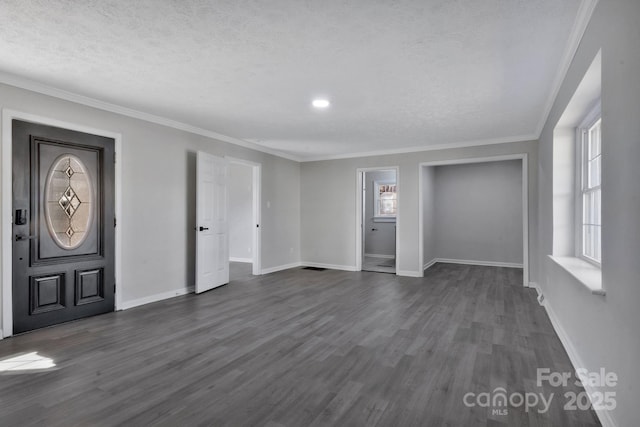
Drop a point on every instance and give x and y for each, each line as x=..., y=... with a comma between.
x=385, y=199
x=69, y=206
x=577, y=164
x=590, y=152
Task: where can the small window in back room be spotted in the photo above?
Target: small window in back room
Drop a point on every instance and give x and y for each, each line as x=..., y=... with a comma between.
x=385, y=200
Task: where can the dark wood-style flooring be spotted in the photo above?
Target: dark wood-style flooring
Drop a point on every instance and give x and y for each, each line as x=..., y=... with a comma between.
x=299, y=348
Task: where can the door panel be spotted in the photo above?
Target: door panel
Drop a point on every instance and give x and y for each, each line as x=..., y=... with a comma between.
x=63, y=250
x=68, y=210
x=212, y=238
x=47, y=293
x=89, y=286
x=67, y=213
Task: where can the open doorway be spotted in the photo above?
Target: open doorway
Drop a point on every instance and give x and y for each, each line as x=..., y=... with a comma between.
x=244, y=218
x=378, y=214
x=475, y=211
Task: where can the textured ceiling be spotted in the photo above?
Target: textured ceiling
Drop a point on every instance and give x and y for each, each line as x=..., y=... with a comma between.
x=399, y=74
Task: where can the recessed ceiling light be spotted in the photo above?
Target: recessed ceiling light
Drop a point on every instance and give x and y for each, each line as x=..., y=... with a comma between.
x=320, y=103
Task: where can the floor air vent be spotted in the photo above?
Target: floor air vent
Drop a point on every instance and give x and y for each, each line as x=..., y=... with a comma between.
x=314, y=268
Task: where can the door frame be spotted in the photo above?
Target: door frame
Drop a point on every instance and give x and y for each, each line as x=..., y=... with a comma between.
x=256, y=188
x=6, y=214
x=525, y=203
x=360, y=212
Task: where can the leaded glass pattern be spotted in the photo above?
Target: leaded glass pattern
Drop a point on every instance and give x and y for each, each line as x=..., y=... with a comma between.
x=69, y=201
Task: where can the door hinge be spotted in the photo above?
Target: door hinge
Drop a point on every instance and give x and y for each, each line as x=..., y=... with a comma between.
x=114, y=222
x=114, y=288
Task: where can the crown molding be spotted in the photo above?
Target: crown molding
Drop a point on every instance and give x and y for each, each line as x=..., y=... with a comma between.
x=33, y=86
x=448, y=146
x=585, y=11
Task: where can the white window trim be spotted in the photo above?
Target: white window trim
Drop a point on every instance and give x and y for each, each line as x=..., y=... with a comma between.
x=594, y=114
x=586, y=270
x=586, y=273
x=567, y=169
x=376, y=194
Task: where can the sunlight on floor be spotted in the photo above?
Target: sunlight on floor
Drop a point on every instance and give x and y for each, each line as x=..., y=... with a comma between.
x=26, y=362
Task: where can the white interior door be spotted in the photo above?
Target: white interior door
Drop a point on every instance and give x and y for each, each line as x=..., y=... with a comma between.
x=212, y=230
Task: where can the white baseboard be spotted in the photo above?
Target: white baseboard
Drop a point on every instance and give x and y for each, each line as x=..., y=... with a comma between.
x=576, y=361
x=308, y=264
x=429, y=264
x=484, y=263
x=536, y=287
x=280, y=268
x=157, y=297
x=380, y=256
x=1, y=334
x=408, y=273
x=329, y=266
x=237, y=259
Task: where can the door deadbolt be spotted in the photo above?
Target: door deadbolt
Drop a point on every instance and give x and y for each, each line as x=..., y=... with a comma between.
x=20, y=217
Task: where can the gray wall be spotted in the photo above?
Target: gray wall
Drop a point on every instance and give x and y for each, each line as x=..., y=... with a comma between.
x=158, y=194
x=328, y=203
x=428, y=180
x=240, y=211
x=603, y=331
x=478, y=212
x=382, y=241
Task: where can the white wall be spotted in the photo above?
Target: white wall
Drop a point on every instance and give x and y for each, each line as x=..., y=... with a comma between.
x=379, y=237
x=428, y=179
x=240, y=212
x=329, y=197
x=602, y=332
x=158, y=194
x=478, y=212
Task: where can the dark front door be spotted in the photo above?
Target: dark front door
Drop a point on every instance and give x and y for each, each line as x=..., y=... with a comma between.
x=63, y=225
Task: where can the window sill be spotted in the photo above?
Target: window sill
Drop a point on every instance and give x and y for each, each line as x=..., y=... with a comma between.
x=587, y=274
x=383, y=219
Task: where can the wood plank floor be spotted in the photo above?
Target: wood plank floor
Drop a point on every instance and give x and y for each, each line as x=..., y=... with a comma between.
x=299, y=348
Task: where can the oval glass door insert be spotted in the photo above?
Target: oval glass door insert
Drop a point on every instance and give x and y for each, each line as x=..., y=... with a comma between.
x=69, y=202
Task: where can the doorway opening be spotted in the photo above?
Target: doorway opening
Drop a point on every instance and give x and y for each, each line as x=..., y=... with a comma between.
x=244, y=218
x=475, y=211
x=378, y=215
